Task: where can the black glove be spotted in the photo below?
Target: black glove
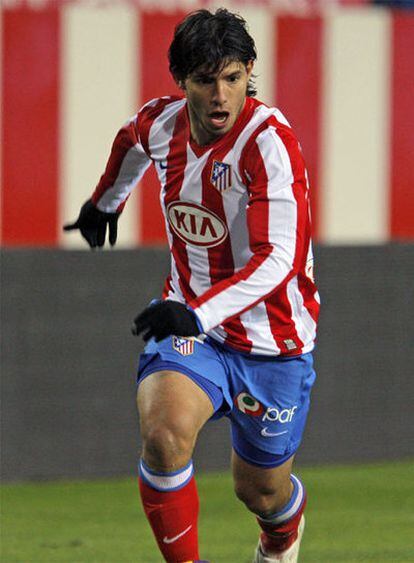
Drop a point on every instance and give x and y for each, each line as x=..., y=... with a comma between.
x=164, y=319
x=92, y=224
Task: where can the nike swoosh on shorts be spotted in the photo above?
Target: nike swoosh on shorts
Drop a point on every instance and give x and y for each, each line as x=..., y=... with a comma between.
x=267, y=434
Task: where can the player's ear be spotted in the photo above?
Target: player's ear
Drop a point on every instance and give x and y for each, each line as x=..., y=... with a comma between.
x=180, y=83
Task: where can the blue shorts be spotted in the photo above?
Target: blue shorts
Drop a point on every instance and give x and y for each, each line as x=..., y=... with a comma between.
x=266, y=398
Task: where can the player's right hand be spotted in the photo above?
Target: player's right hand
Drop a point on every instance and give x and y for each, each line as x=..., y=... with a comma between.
x=93, y=224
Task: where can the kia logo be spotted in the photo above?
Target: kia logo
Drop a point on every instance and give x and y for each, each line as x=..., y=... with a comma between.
x=195, y=224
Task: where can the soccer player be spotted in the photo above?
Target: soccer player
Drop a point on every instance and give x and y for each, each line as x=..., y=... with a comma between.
x=234, y=331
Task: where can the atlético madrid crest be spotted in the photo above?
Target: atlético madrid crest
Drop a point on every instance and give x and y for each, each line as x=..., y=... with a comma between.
x=184, y=346
x=221, y=175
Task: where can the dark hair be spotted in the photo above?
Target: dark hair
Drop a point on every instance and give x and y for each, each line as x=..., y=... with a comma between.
x=210, y=41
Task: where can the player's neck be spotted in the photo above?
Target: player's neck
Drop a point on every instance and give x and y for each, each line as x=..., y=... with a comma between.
x=199, y=135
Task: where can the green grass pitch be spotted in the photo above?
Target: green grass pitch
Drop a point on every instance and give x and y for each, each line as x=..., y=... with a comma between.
x=355, y=513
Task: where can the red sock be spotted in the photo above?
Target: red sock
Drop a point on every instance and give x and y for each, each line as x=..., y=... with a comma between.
x=173, y=517
x=279, y=537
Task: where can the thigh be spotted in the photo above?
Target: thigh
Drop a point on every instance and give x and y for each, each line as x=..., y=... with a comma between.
x=172, y=410
x=198, y=360
x=171, y=399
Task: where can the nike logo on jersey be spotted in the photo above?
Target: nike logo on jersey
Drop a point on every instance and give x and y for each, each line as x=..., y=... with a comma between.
x=163, y=165
x=267, y=434
x=178, y=536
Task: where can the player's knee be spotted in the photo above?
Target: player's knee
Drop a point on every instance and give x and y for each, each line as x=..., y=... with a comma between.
x=262, y=499
x=165, y=447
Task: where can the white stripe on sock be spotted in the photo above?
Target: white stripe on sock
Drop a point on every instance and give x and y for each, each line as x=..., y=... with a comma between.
x=166, y=482
x=284, y=516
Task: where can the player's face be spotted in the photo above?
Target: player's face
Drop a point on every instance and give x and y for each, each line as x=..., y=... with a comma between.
x=215, y=100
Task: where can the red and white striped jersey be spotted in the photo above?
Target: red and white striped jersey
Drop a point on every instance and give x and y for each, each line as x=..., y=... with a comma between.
x=237, y=220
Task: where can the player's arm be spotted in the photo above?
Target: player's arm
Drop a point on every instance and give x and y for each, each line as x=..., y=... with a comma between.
x=278, y=226
x=126, y=165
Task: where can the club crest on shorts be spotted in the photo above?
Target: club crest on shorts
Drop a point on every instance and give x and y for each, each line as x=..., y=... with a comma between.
x=248, y=404
x=184, y=346
x=221, y=175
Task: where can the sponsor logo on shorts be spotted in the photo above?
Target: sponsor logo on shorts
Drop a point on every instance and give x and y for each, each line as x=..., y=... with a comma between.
x=248, y=404
x=273, y=414
x=282, y=416
x=185, y=346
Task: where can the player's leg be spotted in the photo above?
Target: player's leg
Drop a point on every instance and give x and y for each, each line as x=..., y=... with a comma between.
x=271, y=399
x=172, y=409
x=278, y=500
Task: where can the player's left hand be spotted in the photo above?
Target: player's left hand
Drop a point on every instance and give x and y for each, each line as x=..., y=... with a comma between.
x=166, y=318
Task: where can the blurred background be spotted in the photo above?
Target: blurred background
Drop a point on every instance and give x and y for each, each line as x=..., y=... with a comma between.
x=72, y=72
